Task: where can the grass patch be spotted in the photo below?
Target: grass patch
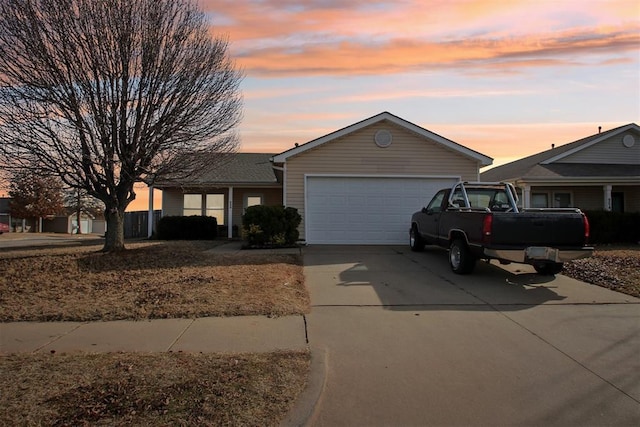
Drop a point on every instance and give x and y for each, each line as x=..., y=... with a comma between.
x=150, y=389
x=150, y=280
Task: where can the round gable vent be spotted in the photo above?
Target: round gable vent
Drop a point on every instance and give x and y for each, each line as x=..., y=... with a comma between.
x=383, y=138
x=628, y=141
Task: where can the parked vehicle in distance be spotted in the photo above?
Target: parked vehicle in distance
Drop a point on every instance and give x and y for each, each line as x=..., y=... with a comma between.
x=4, y=228
x=482, y=221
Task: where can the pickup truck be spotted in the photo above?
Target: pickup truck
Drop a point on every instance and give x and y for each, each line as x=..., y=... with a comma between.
x=482, y=221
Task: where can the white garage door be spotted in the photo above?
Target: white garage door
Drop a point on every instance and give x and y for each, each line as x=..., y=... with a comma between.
x=365, y=210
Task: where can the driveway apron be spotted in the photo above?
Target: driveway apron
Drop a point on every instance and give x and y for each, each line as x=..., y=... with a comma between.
x=407, y=342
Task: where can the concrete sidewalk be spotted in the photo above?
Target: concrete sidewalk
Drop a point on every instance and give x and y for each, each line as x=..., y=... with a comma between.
x=208, y=334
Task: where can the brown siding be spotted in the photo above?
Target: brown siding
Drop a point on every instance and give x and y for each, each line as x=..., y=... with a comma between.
x=271, y=196
x=631, y=197
x=172, y=202
x=357, y=153
x=589, y=198
x=610, y=151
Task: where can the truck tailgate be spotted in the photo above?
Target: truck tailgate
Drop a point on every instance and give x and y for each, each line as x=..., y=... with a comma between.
x=538, y=229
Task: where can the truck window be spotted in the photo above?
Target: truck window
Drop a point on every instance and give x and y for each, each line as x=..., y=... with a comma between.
x=435, y=205
x=458, y=198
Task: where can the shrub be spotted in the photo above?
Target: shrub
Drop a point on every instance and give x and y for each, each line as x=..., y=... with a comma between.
x=614, y=227
x=187, y=228
x=270, y=225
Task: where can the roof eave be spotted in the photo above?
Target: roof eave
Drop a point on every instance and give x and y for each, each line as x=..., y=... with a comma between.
x=583, y=180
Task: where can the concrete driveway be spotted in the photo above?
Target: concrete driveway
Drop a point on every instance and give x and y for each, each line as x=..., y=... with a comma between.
x=407, y=342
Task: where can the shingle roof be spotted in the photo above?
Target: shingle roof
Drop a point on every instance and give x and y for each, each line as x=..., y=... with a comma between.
x=532, y=166
x=231, y=169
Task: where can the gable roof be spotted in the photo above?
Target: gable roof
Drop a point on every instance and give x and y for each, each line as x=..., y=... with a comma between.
x=231, y=169
x=460, y=149
x=542, y=165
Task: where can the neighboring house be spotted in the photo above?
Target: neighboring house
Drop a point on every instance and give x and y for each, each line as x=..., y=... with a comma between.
x=15, y=224
x=599, y=172
x=68, y=223
x=357, y=185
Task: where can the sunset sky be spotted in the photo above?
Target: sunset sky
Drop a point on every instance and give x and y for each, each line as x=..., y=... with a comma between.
x=506, y=78
x=503, y=77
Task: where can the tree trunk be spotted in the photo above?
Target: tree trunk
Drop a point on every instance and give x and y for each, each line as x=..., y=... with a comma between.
x=114, y=238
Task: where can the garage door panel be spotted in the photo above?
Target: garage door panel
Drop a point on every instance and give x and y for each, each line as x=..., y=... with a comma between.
x=365, y=210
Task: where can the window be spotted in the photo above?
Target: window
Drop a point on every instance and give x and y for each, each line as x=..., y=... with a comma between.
x=215, y=207
x=561, y=200
x=436, y=203
x=253, y=200
x=539, y=200
x=192, y=204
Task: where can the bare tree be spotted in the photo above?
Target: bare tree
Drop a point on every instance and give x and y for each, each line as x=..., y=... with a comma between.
x=107, y=93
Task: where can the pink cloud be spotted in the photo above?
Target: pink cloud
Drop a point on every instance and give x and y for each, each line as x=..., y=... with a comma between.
x=405, y=55
x=276, y=38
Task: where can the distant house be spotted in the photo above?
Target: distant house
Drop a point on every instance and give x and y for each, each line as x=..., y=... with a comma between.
x=599, y=172
x=67, y=222
x=15, y=224
x=357, y=185
x=5, y=216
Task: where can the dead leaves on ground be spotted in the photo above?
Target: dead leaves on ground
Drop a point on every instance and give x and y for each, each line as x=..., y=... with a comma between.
x=150, y=389
x=150, y=280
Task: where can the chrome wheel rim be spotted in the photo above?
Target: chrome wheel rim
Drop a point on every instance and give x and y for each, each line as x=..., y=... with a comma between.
x=454, y=256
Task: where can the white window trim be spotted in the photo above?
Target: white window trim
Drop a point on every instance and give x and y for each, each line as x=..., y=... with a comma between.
x=206, y=209
x=569, y=192
x=245, y=201
x=535, y=193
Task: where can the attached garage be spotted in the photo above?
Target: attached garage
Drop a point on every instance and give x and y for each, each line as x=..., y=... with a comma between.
x=360, y=184
x=365, y=209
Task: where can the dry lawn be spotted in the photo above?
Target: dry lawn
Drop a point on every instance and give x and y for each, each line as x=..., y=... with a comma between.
x=149, y=280
x=611, y=267
x=150, y=389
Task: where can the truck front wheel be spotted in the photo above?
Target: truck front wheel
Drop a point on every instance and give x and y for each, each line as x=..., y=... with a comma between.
x=415, y=241
x=460, y=258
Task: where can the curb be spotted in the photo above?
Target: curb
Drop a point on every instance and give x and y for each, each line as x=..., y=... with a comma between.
x=305, y=407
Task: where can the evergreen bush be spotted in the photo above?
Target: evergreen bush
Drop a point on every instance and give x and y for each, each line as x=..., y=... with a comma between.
x=270, y=226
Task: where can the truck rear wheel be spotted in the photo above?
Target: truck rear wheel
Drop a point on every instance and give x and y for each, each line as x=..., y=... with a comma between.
x=460, y=258
x=548, y=268
x=415, y=241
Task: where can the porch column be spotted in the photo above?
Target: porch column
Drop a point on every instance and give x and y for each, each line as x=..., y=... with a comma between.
x=526, y=196
x=230, y=215
x=607, y=197
x=150, y=218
